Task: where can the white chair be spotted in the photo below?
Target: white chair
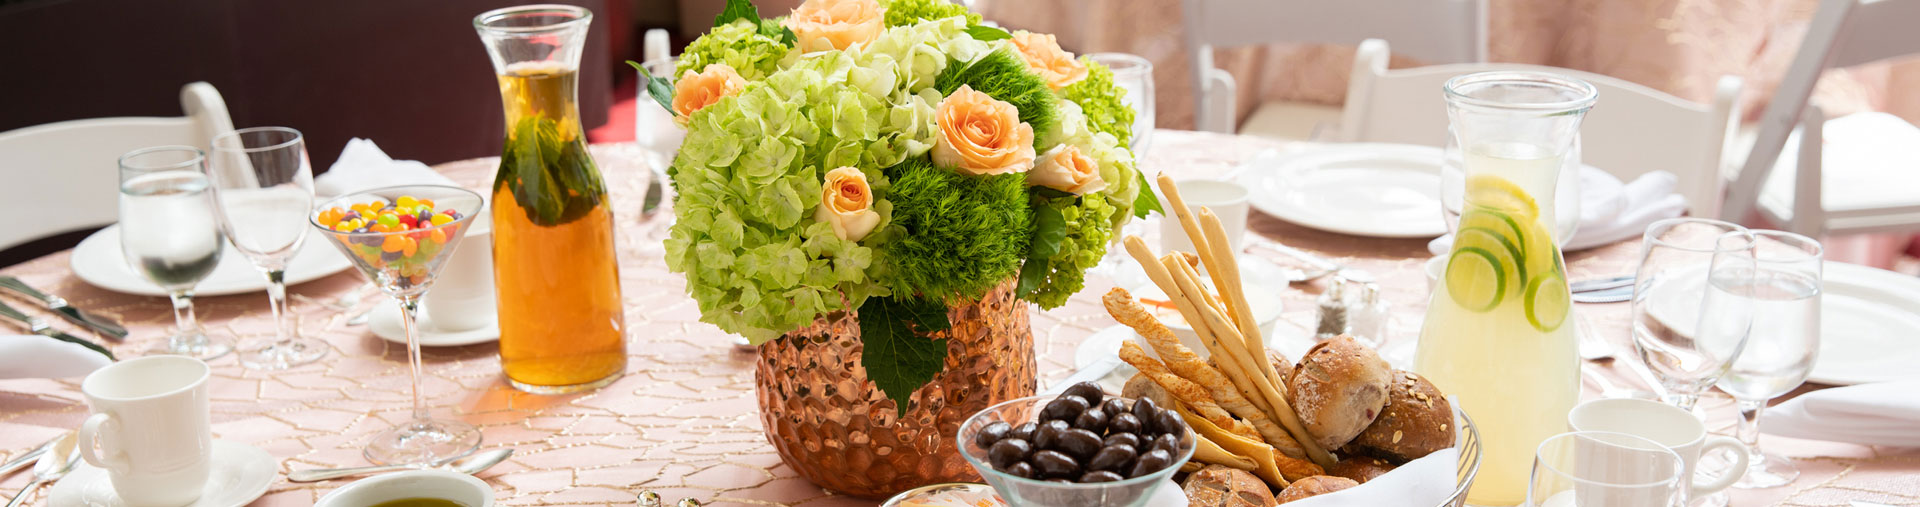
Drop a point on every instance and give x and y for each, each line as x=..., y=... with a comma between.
x=1632, y=129
x=65, y=176
x=1435, y=31
x=1810, y=198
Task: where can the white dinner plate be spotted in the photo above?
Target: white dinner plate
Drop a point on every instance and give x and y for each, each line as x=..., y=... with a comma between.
x=239, y=474
x=385, y=323
x=99, y=262
x=1869, y=325
x=1364, y=189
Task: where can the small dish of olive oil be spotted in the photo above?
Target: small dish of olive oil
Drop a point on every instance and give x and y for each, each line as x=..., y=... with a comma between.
x=419, y=502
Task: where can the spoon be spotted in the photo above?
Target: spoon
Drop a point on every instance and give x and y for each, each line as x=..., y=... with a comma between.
x=53, y=465
x=470, y=465
x=27, y=458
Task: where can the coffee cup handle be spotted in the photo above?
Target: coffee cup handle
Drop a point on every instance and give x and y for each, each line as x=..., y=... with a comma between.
x=1733, y=474
x=115, y=459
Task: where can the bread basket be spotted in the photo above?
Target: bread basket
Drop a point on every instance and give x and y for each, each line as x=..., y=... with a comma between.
x=1469, y=460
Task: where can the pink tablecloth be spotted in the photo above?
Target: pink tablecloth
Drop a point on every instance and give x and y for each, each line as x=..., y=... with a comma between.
x=682, y=422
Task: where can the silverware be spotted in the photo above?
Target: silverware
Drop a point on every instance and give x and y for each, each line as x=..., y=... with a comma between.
x=470, y=465
x=26, y=458
x=361, y=318
x=40, y=327
x=1613, y=295
x=1321, y=267
x=1599, y=284
x=53, y=465
x=105, y=326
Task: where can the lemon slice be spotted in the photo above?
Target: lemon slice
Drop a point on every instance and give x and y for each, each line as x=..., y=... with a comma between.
x=1548, y=302
x=1496, y=193
x=1475, y=278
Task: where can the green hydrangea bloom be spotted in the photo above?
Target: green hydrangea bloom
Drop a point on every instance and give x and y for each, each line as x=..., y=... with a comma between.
x=1089, y=227
x=1115, y=161
x=908, y=12
x=1102, y=101
x=952, y=236
x=739, y=45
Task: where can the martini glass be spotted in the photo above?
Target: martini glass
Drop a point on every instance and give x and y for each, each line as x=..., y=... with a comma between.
x=402, y=257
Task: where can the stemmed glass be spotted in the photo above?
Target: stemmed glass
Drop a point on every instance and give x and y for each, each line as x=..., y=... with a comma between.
x=400, y=237
x=1688, y=325
x=1597, y=468
x=263, y=191
x=1134, y=75
x=659, y=137
x=1785, y=294
x=169, y=235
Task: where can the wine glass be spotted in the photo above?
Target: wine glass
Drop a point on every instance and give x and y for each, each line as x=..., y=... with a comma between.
x=1785, y=294
x=1602, y=469
x=1687, y=324
x=169, y=235
x=263, y=191
x=400, y=237
x=659, y=137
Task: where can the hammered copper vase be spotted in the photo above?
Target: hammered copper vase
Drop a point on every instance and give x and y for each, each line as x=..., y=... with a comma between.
x=837, y=430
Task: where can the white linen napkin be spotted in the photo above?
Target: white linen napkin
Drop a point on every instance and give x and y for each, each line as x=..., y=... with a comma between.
x=1425, y=481
x=1611, y=211
x=35, y=356
x=362, y=166
x=1881, y=413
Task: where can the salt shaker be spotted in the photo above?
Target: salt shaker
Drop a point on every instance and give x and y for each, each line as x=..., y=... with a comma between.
x=1368, y=317
x=1333, y=311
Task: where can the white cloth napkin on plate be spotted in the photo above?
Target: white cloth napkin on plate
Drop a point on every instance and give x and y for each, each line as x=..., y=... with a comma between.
x=1881, y=413
x=1425, y=481
x=1611, y=211
x=35, y=356
x=362, y=166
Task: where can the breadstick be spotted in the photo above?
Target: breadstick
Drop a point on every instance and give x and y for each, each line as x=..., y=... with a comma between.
x=1206, y=451
x=1226, y=279
x=1187, y=223
x=1188, y=365
x=1181, y=389
x=1236, y=371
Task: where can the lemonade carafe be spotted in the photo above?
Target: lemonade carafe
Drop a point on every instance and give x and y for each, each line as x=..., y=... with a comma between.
x=1497, y=334
x=555, y=275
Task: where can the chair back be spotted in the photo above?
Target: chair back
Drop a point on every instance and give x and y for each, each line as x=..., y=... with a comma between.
x=65, y=176
x=1631, y=131
x=1437, y=31
x=1842, y=33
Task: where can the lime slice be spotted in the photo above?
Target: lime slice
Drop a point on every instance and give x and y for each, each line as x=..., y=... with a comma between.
x=1500, y=224
x=1469, y=272
x=1505, y=250
x=1497, y=193
x=1548, y=302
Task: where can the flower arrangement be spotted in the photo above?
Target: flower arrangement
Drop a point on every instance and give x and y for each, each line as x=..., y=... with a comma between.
x=889, y=157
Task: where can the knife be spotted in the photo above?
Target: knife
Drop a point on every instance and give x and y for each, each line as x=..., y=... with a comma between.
x=40, y=327
x=105, y=326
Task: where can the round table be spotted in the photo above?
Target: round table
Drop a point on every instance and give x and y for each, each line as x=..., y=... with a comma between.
x=682, y=421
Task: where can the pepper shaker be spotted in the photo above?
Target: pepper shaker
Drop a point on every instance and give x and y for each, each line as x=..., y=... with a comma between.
x=1333, y=311
x=1368, y=319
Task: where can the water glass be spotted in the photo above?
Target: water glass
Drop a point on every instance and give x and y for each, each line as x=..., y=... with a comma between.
x=263, y=191
x=1785, y=341
x=169, y=235
x=1603, y=469
x=1688, y=325
x=659, y=137
x=1134, y=75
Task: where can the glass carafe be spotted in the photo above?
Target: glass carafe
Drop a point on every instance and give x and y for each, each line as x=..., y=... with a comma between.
x=1498, y=333
x=558, y=284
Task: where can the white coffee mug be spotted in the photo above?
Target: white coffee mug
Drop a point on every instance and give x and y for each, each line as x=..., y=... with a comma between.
x=462, y=296
x=149, y=428
x=1227, y=199
x=1667, y=425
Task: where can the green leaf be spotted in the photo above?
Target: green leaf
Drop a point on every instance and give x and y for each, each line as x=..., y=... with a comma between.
x=1146, y=201
x=897, y=354
x=986, y=33
x=1049, y=229
x=737, y=10
x=772, y=29
x=658, y=87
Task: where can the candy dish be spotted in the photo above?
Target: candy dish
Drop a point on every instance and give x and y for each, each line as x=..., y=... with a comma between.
x=1023, y=492
x=239, y=474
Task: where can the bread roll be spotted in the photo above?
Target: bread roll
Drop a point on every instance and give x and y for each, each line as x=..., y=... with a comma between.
x=1338, y=390
x=1139, y=386
x=1219, y=486
x=1281, y=365
x=1416, y=421
x=1314, y=486
x=1361, y=468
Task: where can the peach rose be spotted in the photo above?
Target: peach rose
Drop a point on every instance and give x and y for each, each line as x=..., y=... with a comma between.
x=1066, y=169
x=846, y=203
x=981, y=135
x=696, y=91
x=1044, y=55
x=822, y=25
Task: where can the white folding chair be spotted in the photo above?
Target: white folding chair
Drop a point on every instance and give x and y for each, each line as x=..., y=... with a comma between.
x=1435, y=31
x=1810, y=198
x=64, y=176
x=1631, y=131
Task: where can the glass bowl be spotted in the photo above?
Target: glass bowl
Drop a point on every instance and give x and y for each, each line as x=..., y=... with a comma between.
x=1023, y=492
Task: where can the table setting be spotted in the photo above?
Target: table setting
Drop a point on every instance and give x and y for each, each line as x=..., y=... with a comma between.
x=890, y=253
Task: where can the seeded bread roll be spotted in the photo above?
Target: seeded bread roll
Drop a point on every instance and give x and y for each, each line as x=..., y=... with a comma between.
x=1361, y=468
x=1338, y=389
x=1314, y=486
x=1416, y=421
x=1221, y=486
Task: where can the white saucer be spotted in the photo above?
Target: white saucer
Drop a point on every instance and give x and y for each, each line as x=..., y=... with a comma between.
x=385, y=323
x=98, y=261
x=240, y=474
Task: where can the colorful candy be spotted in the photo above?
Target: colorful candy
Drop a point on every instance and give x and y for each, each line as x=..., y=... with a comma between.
x=423, y=231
